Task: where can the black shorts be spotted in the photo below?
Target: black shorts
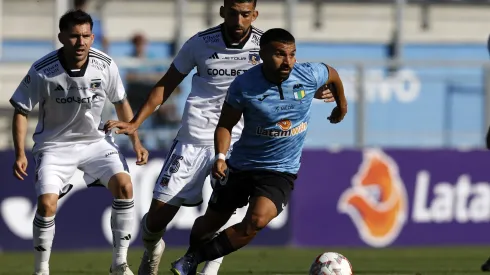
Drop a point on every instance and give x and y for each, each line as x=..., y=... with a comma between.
x=244, y=185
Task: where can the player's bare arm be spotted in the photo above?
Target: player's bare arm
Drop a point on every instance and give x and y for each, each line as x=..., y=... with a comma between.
x=19, y=131
x=334, y=83
x=158, y=95
x=124, y=113
x=222, y=137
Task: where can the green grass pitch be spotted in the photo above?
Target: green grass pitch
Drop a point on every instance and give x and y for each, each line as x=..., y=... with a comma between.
x=402, y=261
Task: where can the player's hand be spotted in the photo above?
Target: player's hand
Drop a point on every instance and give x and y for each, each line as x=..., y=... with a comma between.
x=324, y=93
x=20, y=167
x=338, y=113
x=219, y=169
x=141, y=154
x=126, y=128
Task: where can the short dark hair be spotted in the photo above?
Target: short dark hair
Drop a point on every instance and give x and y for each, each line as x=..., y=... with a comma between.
x=276, y=35
x=239, y=1
x=75, y=17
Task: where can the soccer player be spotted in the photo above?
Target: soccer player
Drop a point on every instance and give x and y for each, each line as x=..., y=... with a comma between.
x=71, y=85
x=220, y=54
x=274, y=99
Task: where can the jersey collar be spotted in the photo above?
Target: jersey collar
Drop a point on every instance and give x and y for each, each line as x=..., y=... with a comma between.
x=234, y=46
x=64, y=64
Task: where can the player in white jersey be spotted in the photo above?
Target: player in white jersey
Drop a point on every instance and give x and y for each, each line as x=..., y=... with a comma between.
x=71, y=85
x=219, y=54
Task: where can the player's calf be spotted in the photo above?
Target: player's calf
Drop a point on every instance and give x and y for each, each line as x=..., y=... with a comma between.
x=206, y=226
x=121, y=217
x=43, y=231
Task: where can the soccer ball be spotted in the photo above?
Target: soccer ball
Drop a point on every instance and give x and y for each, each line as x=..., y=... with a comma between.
x=331, y=263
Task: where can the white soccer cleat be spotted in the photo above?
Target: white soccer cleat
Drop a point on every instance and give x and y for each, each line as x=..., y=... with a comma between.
x=42, y=272
x=121, y=270
x=149, y=263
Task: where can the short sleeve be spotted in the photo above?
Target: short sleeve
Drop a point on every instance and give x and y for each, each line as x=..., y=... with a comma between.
x=234, y=96
x=115, y=88
x=320, y=72
x=185, y=62
x=27, y=94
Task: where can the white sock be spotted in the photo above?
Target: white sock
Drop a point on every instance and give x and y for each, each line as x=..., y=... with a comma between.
x=212, y=267
x=121, y=223
x=43, y=235
x=150, y=239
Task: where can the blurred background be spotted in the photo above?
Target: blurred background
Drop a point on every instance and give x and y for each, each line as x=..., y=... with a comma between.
x=416, y=74
x=434, y=96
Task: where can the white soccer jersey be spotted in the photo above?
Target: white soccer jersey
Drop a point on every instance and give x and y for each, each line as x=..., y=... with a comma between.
x=70, y=102
x=218, y=63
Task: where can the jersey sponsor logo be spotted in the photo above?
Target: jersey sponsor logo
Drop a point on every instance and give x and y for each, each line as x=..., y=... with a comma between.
x=79, y=100
x=225, y=72
x=263, y=97
x=55, y=68
x=212, y=38
x=234, y=58
x=26, y=81
x=97, y=64
x=254, y=58
x=214, y=56
x=255, y=39
x=281, y=108
x=59, y=88
x=285, y=129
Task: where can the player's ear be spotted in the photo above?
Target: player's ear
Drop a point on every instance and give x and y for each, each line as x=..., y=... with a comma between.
x=60, y=38
x=255, y=15
x=222, y=12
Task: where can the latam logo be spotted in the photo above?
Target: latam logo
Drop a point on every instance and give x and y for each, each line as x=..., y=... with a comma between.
x=379, y=207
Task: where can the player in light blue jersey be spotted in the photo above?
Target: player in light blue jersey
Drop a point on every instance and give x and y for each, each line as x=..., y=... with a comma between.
x=275, y=99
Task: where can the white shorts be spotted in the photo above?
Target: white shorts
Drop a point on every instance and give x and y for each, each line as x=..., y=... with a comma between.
x=99, y=161
x=185, y=171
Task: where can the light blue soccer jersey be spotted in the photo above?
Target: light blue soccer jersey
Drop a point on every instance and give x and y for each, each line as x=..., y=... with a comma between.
x=276, y=117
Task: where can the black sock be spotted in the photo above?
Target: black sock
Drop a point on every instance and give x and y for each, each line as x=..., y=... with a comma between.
x=216, y=248
x=195, y=243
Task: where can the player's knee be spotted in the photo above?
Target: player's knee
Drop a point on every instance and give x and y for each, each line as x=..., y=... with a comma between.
x=121, y=186
x=255, y=224
x=46, y=205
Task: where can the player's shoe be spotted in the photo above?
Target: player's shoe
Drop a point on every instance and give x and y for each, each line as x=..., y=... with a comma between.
x=149, y=263
x=186, y=265
x=42, y=272
x=122, y=269
x=486, y=266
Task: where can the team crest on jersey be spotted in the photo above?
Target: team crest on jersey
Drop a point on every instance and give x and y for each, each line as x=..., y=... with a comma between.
x=95, y=84
x=254, y=58
x=299, y=91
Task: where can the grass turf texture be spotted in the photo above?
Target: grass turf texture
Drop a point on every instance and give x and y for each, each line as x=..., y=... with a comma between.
x=403, y=261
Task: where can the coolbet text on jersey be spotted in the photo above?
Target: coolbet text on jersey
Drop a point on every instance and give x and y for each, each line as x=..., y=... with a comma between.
x=218, y=63
x=276, y=117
